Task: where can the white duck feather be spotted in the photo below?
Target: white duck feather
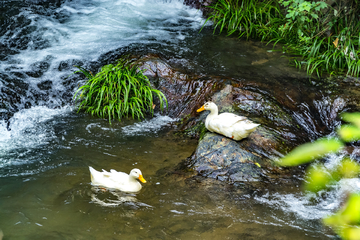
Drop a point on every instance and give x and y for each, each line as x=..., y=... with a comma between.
x=117, y=180
x=227, y=124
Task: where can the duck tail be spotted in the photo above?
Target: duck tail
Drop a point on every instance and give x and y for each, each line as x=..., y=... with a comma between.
x=252, y=127
x=92, y=170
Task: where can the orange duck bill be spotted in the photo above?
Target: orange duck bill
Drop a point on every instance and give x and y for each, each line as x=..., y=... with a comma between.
x=201, y=109
x=142, y=179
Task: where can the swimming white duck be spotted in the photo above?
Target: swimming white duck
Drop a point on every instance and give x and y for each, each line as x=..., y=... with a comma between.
x=227, y=124
x=117, y=180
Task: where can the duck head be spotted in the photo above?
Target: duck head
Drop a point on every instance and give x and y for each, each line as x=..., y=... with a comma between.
x=207, y=106
x=136, y=173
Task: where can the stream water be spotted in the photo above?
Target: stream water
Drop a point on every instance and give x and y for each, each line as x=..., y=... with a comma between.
x=46, y=147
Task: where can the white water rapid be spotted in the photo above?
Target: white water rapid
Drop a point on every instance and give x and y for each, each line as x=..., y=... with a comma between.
x=76, y=32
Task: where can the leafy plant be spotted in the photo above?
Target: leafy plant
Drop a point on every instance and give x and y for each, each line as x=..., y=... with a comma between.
x=331, y=55
x=346, y=221
x=302, y=18
x=117, y=91
x=322, y=36
x=326, y=39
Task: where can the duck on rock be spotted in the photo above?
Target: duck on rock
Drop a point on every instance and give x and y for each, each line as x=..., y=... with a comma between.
x=227, y=124
x=117, y=180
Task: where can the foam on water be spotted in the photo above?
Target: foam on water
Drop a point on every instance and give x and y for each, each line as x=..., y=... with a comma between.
x=144, y=127
x=300, y=205
x=79, y=32
x=94, y=27
x=148, y=126
x=29, y=130
x=311, y=206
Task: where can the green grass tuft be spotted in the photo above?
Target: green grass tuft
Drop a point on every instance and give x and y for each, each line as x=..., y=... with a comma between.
x=117, y=91
x=250, y=19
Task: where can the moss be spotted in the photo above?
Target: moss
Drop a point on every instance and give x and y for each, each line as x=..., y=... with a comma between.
x=196, y=131
x=202, y=131
x=184, y=119
x=228, y=109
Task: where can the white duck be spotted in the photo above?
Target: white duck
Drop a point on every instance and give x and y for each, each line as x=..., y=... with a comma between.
x=117, y=180
x=227, y=124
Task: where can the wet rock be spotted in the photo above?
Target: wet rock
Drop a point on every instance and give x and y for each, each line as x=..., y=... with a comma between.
x=200, y=4
x=5, y=52
x=221, y=158
x=243, y=172
x=38, y=69
x=69, y=64
x=12, y=88
x=45, y=85
x=188, y=89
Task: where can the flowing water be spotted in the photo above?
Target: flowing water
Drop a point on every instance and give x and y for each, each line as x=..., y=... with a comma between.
x=46, y=147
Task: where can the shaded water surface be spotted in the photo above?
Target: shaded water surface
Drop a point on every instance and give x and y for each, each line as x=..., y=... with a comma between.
x=56, y=200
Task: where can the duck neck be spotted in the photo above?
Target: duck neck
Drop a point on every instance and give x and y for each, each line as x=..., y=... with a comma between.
x=214, y=111
x=132, y=178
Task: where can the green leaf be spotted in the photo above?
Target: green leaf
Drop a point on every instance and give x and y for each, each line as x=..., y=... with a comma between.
x=286, y=3
x=349, y=215
x=314, y=15
x=350, y=232
x=309, y=151
x=353, y=118
x=349, y=133
x=348, y=168
x=318, y=178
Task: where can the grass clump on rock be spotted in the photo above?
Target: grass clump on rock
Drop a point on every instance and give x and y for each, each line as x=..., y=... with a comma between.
x=118, y=91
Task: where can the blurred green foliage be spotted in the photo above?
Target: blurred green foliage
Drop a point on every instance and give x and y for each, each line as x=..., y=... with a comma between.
x=309, y=151
x=346, y=222
x=347, y=219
